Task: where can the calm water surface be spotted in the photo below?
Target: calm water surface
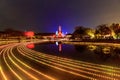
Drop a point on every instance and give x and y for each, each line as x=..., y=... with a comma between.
x=95, y=54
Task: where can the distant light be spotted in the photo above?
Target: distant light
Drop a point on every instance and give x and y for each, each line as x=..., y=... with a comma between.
x=56, y=32
x=29, y=33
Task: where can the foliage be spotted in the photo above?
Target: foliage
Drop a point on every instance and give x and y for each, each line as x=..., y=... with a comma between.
x=79, y=32
x=102, y=31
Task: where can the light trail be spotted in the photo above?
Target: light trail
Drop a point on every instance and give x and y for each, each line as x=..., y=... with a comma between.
x=45, y=63
x=65, y=62
x=67, y=67
x=1, y=70
x=7, y=53
x=76, y=62
x=30, y=67
x=4, y=57
x=82, y=67
x=77, y=68
x=2, y=73
x=91, y=65
x=30, y=75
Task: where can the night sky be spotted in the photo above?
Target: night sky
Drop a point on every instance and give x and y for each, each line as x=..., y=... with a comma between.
x=47, y=15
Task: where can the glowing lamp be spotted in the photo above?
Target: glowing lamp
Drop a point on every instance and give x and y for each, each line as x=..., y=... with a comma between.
x=29, y=33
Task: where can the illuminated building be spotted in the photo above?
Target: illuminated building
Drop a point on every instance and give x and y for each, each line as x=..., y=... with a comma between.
x=59, y=33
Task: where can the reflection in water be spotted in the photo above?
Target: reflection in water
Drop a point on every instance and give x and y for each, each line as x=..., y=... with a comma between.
x=117, y=50
x=59, y=44
x=104, y=52
x=91, y=47
x=30, y=46
x=80, y=48
x=108, y=55
x=60, y=47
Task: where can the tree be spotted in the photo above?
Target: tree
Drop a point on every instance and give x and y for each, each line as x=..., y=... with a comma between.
x=79, y=32
x=102, y=31
x=13, y=32
x=90, y=32
x=115, y=30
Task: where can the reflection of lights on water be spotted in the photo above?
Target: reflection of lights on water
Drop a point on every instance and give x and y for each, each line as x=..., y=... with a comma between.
x=92, y=47
x=57, y=43
x=30, y=46
x=59, y=46
x=106, y=50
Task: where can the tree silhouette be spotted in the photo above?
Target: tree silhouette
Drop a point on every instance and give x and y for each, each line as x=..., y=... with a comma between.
x=103, y=30
x=115, y=29
x=79, y=32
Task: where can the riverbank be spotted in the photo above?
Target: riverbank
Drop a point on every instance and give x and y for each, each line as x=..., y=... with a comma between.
x=116, y=44
x=83, y=42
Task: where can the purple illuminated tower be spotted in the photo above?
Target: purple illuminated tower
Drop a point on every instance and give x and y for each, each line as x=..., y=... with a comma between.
x=59, y=32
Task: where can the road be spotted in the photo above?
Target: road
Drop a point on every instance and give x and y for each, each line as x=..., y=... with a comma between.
x=17, y=62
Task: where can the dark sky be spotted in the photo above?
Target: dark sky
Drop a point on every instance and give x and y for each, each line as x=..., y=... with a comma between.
x=47, y=15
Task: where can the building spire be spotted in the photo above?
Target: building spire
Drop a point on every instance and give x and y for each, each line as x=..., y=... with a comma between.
x=59, y=29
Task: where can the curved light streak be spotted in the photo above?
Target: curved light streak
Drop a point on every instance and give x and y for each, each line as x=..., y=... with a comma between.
x=76, y=62
x=30, y=67
x=11, y=68
x=70, y=64
x=73, y=61
x=83, y=69
x=45, y=63
x=30, y=75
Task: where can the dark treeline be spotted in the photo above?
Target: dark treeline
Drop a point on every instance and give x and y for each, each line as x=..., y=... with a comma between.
x=10, y=33
x=102, y=31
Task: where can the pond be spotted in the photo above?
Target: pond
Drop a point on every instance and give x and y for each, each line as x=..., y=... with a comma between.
x=106, y=55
